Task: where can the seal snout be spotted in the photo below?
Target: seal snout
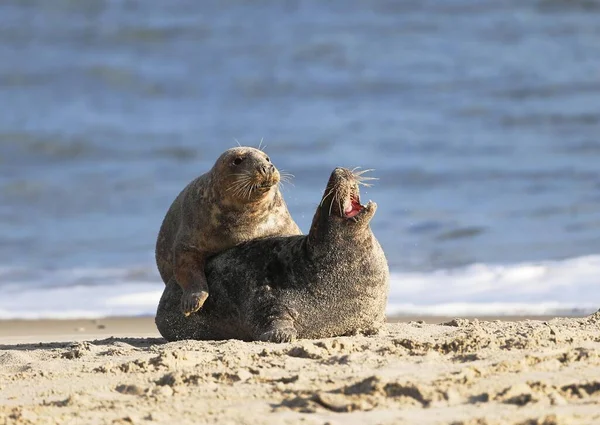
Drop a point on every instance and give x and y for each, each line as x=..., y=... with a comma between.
x=266, y=176
x=266, y=169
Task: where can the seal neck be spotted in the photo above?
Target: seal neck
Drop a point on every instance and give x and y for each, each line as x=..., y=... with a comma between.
x=329, y=236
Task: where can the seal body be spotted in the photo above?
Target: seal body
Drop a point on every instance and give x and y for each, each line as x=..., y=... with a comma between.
x=237, y=200
x=333, y=281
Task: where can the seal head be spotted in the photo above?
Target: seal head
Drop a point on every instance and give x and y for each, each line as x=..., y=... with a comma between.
x=340, y=214
x=244, y=175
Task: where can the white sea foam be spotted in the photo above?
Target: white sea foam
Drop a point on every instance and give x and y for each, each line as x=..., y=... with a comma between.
x=551, y=287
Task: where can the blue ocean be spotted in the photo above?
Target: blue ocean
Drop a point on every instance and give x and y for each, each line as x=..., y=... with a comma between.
x=480, y=118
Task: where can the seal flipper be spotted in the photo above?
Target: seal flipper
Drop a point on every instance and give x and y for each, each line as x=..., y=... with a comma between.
x=274, y=322
x=189, y=274
x=280, y=331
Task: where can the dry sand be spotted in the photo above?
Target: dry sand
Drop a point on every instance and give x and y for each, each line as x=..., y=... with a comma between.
x=465, y=372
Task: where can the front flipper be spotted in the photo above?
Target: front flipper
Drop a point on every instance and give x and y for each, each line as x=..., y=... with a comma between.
x=279, y=331
x=189, y=274
x=192, y=301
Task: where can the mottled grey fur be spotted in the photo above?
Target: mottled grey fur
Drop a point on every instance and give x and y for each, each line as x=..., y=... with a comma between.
x=230, y=204
x=333, y=281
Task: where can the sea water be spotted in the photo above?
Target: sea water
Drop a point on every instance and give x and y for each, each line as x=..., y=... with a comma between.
x=480, y=118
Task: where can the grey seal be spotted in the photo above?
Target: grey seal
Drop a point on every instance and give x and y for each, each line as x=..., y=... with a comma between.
x=333, y=281
x=237, y=200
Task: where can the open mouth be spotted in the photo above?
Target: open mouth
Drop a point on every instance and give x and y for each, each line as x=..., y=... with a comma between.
x=353, y=206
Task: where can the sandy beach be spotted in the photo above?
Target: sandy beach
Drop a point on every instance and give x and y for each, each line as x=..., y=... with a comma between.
x=464, y=371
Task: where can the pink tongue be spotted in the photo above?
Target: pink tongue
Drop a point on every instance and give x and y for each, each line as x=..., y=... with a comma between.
x=350, y=211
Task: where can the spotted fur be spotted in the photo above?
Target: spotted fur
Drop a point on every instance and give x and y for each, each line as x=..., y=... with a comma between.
x=230, y=204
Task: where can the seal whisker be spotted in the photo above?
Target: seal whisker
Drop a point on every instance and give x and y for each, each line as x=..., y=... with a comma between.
x=241, y=178
x=286, y=173
x=251, y=188
x=238, y=143
x=361, y=172
x=244, y=179
x=283, y=182
x=233, y=186
x=362, y=178
x=241, y=192
x=238, y=190
x=332, y=201
x=260, y=145
x=246, y=188
x=326, y=196
x=241, y=184
x=238, y=193
x=245, y=191
x=285, y=178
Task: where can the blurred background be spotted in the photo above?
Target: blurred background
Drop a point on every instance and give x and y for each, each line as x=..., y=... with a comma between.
x=481, y=120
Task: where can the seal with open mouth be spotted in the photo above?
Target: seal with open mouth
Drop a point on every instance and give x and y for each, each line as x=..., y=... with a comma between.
x=237, y=200
x=331, y=282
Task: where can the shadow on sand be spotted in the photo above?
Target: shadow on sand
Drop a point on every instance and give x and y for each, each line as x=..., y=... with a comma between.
x=133, y=342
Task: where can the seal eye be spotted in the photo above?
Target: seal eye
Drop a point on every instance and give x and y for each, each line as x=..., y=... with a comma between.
x=237, y=161
x=268, y=160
